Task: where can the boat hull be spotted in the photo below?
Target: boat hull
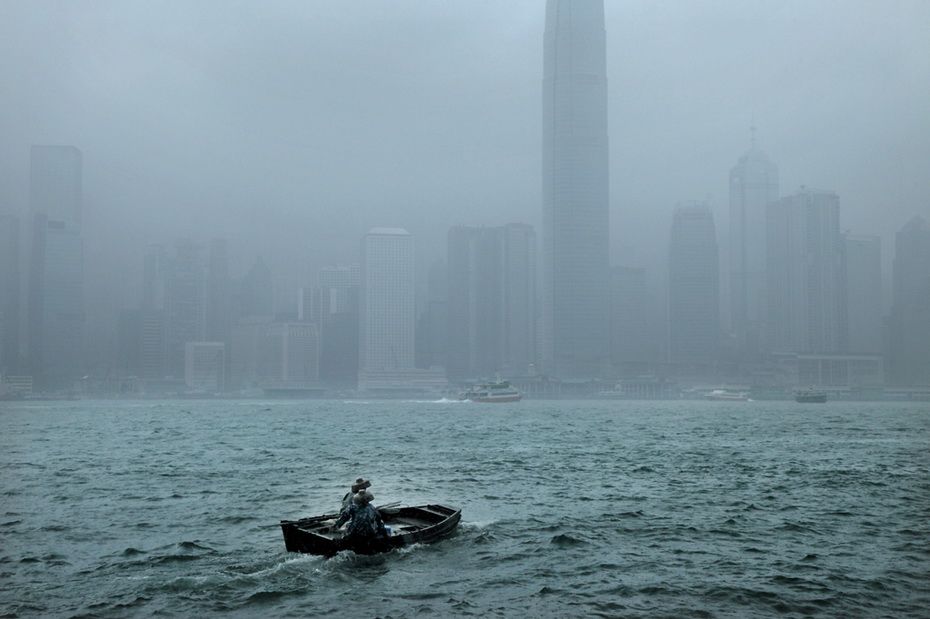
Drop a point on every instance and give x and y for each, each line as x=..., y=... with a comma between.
x=496, y=398
x=811, y=399
x=423, y=524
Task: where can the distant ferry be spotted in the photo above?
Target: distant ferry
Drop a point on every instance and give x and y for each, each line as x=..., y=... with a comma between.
x=497, y=391
x=810, y=396
x=722, y=395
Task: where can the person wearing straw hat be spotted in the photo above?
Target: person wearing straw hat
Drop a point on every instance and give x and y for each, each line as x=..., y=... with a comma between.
x=360, y=484
x=365, y=524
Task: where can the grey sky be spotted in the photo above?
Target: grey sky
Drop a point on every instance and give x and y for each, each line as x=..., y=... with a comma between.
x=322, y=119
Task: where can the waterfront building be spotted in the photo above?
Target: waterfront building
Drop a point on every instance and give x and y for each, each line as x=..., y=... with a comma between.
x=432, y=323
x=387, y=311
x=910, y=312
x=218, y=294
x=10, y=295
x=205, y=366
x=863, y=294
x=256, y=292
x=55, y=334
x=491, y=301
x=804, y=255
x=575, y=213
x=338, y=307
x=753, y=186
x=693, y=287
x=630, y=336
x=185, y=301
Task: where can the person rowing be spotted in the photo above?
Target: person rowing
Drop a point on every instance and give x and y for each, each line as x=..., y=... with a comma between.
x=364, y=522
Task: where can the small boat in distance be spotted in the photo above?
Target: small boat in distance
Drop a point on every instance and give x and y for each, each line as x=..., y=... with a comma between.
x=497, y=391
x=422, y=524
x=810, y=396
x=722, y=395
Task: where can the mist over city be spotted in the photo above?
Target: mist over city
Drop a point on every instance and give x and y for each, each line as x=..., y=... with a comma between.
x=523, y=308
x=291, y=131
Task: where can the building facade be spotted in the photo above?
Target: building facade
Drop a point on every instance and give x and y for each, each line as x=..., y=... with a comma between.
x=338, y=294
x=693, y=287
x=753, y=186
x=575, y=213
x=10, y=295
x=862, y=316
x=491, y=316
x=630, y=333
x=910, y=311
x=387, y=312
x=804, y=263
x=55, y=299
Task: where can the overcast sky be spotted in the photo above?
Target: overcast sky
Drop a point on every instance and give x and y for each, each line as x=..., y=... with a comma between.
x=293, y=127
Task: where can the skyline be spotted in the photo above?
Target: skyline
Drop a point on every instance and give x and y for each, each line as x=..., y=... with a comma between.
x=284, y=148
x=575, y=254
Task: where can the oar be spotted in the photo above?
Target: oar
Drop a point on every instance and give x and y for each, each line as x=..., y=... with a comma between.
x=388, y=505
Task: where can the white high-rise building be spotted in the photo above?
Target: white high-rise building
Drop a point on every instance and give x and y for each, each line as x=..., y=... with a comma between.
x=753, y=186
x=387, y=313
x=804, y=262
x=863, y=292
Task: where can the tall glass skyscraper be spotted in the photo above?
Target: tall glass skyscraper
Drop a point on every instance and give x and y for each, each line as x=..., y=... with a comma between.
x=575, y=254
x=56, y=270
x=753, y=186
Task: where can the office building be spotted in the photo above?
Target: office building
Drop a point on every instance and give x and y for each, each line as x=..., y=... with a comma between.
x=55, y=334
x=693, y=287
x=387, y=312
x=630, y=334
x=862, y=312
x=491, y=317
x=753, y=186
x=10, y=295
x=575, y=214
x=804, y=260
x=910, y=311
x=205, y=366
x=338, y=311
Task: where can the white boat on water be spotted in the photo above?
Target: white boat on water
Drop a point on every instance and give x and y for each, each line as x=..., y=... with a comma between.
x=497, y=391
x=722, y=395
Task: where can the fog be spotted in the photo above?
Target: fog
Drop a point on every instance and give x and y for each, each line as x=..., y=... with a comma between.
x=292, y=128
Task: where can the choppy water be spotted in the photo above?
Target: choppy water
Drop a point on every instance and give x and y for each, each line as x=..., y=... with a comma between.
x=569, y=508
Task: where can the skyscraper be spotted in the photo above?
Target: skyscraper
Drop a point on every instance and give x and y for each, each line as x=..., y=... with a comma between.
x=56, y=269
x=630, y=337
x=575, y=211
x=910, y=312
x=804, y=264
x=55, y=183
x=693, y=287
x=338, y=322
x=753, y=186
x=387, y=313
x=10, y=296
x=186, y=303
x=491, y=312
x=863, y=294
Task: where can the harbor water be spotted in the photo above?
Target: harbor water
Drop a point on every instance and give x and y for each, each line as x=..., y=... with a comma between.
x=610, y=508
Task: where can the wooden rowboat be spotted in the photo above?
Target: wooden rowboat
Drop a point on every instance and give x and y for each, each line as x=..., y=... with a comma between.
x=422, y=524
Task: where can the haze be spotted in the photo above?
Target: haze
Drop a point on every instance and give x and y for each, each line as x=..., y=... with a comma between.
x=292, y=128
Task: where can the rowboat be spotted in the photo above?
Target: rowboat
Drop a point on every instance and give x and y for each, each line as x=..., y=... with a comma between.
x=422, y=524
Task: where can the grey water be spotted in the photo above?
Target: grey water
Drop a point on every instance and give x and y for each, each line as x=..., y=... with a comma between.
x=730, y=509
